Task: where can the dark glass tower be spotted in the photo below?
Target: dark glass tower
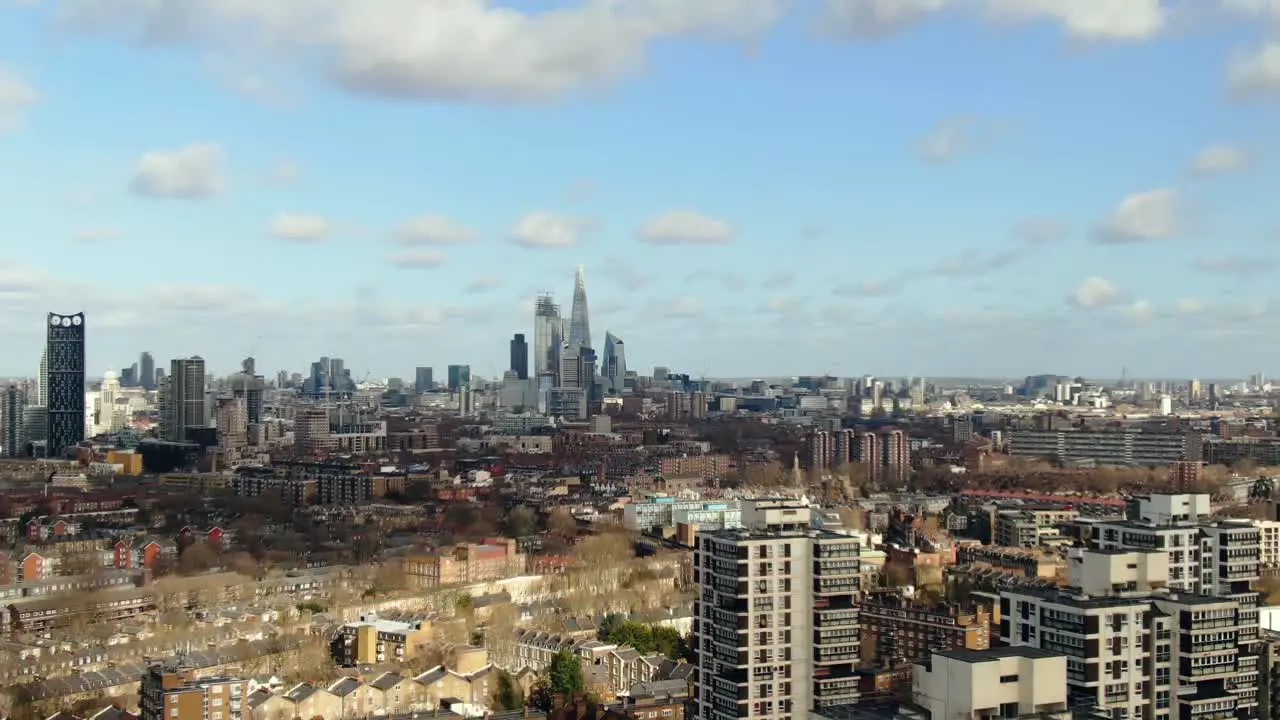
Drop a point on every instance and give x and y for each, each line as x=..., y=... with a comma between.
x=65, y=351
x=520, y=356
x=147, y=371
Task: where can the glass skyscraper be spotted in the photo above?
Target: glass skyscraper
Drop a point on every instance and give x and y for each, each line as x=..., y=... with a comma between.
x=613, y=365
x=64, y=377
x=579, y=320
x=547, y=335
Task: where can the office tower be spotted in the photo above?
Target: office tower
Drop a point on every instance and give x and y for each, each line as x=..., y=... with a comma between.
x=159, y=376
x=65, y=382
x=613, y=365
x=459, y=376
x=249, y=388
x=41, y=397
x=422, y=380
x=1135, y=648
x=186, y=401
x=520, y=356
x=13, y=404
x=587, y=379
x=108, y=419
x=129, y=376
x=466, y=401
x=547, y=335
x=231, y=418
x=660, y=373
x=569, y=373
x=776, y=621
x=579, y=320
x=147, y=371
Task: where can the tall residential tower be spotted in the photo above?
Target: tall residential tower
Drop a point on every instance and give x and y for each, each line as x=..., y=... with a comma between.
x=64, y=382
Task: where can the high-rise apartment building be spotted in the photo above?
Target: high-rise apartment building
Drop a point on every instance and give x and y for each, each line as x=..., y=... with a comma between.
x=459, y=375
x=520, y=356
x=64, y=378
x=13, y=405
x=547, y=335
x=186, y=407
x=249, y=388
x=171, y=692
x=147, y=371
x=422, y=380
x=579, y=318
x=776, y=620
x=1134, y=648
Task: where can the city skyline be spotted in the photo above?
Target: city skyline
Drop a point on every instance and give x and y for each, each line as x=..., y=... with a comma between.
x=758, y=198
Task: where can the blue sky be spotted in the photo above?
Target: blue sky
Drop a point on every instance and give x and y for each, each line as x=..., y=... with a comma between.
x=755, y=187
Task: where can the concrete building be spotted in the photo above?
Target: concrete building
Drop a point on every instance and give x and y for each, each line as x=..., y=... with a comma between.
x=175, y=693
x=776, y=622
x=1007, y=682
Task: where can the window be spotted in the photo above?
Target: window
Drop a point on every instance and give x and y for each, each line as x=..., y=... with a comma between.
x=1008, y=678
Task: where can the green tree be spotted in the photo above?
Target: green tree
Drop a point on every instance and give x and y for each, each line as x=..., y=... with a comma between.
x=506, y=693
x=565, y=674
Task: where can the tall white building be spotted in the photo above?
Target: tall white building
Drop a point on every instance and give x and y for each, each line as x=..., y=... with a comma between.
x=776, y=621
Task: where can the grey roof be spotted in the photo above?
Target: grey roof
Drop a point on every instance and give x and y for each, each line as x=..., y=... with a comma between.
x=345, y=686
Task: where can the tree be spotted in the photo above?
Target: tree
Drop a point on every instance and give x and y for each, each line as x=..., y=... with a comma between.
x=561, y=522
x=520, y=522
x=507, y=694
x=565, y=674
x=197, y=558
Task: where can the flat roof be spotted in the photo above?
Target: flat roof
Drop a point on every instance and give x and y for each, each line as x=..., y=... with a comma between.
x=977, y=656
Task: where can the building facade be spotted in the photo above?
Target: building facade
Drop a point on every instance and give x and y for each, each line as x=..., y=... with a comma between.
x=64, y=379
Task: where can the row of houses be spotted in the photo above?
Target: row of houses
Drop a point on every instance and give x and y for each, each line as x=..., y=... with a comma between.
x=609, y=668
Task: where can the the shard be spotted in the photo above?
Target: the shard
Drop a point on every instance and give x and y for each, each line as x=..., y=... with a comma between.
x=579, y=323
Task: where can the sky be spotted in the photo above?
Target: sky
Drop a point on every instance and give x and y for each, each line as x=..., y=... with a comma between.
x=754, y=187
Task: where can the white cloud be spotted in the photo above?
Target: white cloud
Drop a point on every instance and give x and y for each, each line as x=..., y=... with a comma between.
x=1255, y=74
x=16, y=96
x=435, y=230
x=683, y=307
x=301, y=227
x=194, y=172
x=1151, y=215
x=90, y=235
x=546, y=230
x=1089, y=19
x=1139, y=311
x=417, y=259
x=955, y=137
x=461, y=50
x=1219, y=158
x=1095, y=292
x=871, y=19
x=686, y=227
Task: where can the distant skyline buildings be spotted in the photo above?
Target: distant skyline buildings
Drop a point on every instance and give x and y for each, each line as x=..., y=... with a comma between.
x=579, y=318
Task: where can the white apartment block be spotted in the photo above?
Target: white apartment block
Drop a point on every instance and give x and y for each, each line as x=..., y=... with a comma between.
x=1004, y=682
x=1206, y=557
x=1269, y=543
x=776, y=622
x=1134, y=648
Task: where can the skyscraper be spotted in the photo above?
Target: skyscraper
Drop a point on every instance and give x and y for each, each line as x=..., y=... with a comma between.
x=579, y=319
x=459, y=376
x=520, y=356
x=422, y=380
x=547, y=335
x=186, y=403
x=64, y=353
x=13, y=402
x=147, y=371
x=613, y=365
